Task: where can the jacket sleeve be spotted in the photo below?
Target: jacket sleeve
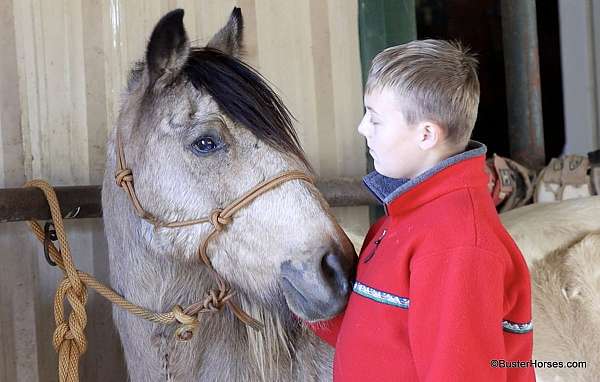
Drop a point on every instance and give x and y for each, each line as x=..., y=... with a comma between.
x=455, y=315
x=328, y=330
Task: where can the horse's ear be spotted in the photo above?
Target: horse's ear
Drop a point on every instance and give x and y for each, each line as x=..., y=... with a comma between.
x=229, y=39
x=168, y=48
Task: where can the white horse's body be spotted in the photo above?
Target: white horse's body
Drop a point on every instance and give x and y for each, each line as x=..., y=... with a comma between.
x=561, y=244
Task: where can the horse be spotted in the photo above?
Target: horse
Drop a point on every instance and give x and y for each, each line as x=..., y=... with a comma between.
x=561, y=243
x=198, y=128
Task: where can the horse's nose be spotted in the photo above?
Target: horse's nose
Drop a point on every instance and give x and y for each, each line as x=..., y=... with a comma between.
x=338, y=270
x=318, y=287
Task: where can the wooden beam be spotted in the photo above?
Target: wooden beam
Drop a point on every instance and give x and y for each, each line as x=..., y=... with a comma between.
x=18, y=204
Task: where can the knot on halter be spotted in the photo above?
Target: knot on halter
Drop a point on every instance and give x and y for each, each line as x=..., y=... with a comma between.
x=189, y=324
x=123, y=176
x=218, y=221
x=215, y=300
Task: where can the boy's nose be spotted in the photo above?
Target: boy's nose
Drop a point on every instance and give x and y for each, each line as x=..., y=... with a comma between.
x=363, y=128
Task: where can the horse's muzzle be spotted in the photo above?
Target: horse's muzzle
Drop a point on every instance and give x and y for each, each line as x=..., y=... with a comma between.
x=318, y=288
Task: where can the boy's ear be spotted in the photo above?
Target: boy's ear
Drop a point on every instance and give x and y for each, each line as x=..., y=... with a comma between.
x=430, y=134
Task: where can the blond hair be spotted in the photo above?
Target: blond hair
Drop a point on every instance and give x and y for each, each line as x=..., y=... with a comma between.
x=435, y=80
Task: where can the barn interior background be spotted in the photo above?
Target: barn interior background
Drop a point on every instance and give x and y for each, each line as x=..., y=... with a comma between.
x=64, y=62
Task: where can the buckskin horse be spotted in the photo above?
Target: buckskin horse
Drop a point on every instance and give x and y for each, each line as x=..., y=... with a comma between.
x=222, y=197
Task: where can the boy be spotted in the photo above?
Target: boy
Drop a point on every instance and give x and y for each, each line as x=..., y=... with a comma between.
x=441, y=290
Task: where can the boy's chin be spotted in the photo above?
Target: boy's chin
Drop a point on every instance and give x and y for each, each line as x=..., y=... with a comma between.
x=390, y=174
x=382, y=170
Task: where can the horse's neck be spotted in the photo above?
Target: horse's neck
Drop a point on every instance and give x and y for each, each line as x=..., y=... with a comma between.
x=223, y=344
x=157, y=282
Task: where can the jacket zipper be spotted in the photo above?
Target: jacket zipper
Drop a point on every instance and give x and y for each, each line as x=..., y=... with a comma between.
x=377, y=242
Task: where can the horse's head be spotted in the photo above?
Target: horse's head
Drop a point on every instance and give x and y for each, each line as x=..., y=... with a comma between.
x=200, y=128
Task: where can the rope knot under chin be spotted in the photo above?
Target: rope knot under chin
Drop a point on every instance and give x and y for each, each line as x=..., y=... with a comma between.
x=215, y=299
x=189, y=324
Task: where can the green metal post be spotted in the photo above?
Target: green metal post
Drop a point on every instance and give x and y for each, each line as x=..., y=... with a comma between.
x=383, y=23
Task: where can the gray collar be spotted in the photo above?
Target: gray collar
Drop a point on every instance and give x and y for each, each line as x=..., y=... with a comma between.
x=387, y=189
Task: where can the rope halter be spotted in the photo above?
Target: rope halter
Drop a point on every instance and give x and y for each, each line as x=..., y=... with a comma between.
x=217, y=298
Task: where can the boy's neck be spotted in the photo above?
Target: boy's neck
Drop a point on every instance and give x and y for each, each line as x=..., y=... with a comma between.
x=435, y=157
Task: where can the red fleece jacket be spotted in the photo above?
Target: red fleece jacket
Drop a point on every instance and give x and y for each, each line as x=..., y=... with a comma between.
x=441, y=288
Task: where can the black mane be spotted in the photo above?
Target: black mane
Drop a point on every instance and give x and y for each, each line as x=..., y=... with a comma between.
x=243, y=94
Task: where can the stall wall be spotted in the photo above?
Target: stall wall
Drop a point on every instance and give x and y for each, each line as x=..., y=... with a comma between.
x=62, y=68
x=580, y=61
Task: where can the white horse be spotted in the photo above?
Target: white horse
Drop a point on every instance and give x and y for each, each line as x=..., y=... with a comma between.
x=561, y=244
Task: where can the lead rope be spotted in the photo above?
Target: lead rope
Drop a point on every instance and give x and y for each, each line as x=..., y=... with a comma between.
x=69, y=339
x=69, y=336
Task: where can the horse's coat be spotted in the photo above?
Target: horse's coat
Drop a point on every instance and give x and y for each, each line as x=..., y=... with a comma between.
x=561, y=243
x=199, y=129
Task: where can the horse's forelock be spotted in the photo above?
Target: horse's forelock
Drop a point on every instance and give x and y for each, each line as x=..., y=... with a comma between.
x=244, y=95
x=240, y=92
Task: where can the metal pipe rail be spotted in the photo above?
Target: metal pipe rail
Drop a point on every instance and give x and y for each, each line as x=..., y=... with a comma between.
x=19, y=204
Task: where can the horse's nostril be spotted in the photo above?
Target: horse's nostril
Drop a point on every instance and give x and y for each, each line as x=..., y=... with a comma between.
x=333, y=270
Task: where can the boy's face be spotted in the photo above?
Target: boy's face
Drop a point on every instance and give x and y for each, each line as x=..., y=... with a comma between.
x=394, y=145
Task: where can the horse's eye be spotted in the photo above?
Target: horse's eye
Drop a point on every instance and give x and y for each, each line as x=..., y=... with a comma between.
x=205, y=145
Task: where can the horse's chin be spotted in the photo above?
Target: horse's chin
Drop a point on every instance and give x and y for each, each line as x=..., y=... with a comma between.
x=305, y=309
